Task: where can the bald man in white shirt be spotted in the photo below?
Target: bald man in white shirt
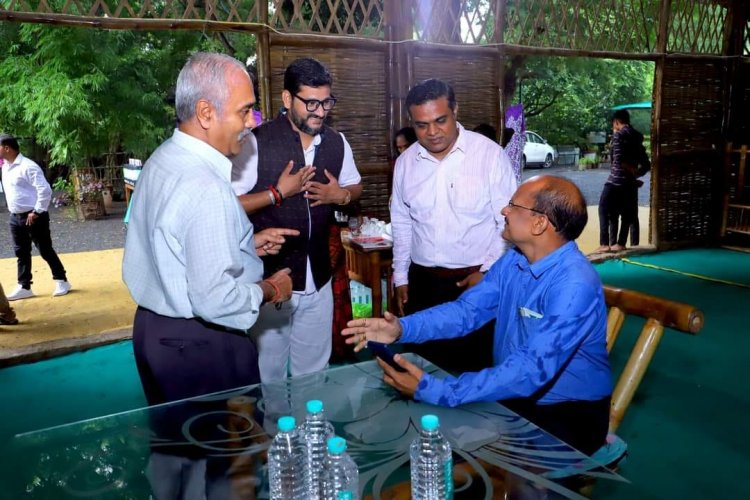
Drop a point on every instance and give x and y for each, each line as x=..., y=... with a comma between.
x=448, y=191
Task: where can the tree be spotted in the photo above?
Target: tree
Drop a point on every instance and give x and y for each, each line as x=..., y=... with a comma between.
x=86, y=93
x=565, y=98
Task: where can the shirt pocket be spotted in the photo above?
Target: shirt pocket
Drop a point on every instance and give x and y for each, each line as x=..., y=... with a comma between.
x=467, y=194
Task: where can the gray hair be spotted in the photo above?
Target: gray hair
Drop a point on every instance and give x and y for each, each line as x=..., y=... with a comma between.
x=203, y=77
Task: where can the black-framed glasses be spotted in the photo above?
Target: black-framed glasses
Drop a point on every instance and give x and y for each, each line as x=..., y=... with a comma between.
x=312, y=105
x=516, y=205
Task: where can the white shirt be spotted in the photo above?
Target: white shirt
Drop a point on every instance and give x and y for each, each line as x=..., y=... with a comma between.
x=189, y=251
x=25, y=187
x=245, y=176
x=446, y=213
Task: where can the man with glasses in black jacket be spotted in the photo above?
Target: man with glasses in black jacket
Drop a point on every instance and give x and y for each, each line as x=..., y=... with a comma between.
x=298, y=153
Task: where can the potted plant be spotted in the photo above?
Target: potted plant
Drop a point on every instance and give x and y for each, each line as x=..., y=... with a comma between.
x=89, y=191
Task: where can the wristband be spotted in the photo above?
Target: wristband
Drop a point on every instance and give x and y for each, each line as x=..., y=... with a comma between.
x=280, y=193
x=347, y=198
x=270, y=197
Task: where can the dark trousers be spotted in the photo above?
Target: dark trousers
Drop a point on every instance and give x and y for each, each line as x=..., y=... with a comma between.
x=616, y=202
x=433, y=286
x=581, y=424
x=179, y=358
x=23, y=235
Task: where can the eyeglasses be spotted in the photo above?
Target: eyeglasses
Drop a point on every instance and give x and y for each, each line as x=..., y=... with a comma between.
x=312, y=105
x=515, y=205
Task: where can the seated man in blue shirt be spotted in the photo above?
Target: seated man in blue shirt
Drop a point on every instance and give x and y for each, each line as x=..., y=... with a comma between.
x=550, y=357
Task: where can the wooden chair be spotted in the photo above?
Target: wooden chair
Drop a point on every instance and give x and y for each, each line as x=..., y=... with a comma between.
x=658, y=313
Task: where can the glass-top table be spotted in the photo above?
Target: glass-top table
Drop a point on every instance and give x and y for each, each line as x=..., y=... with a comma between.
x=215, y=446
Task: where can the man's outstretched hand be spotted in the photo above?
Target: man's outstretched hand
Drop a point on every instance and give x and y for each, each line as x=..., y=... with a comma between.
x=386, y=330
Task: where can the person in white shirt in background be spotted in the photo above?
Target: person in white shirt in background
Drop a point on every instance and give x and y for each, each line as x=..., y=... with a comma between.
x=28, y=195
x=448, y=191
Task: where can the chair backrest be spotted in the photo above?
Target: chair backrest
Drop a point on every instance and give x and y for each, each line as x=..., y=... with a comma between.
x=658, y=314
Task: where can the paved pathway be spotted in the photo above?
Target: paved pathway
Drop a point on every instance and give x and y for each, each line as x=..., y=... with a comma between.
x=70, y=235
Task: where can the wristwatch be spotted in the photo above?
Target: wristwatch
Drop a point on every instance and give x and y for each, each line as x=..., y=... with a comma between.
x=347, y=198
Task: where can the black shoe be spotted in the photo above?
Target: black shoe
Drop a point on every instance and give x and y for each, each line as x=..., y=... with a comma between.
x=4, y=321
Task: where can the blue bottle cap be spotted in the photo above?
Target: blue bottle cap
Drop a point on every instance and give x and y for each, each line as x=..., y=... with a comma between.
x=430, y=422
x=286, y=424
x=314, y=406
x=336, y=445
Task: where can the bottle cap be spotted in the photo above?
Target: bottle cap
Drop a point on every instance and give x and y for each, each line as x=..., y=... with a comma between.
x=286, y=424
x=336, y=445
x=430, y=422
x=314, y=406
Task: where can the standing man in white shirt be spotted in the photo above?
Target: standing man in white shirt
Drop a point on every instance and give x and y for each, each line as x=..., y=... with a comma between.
x=448, y=191
x=296, y=338
x=191, y=258
x=28, y=194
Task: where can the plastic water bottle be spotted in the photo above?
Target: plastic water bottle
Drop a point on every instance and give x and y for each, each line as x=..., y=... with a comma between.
x=286, y=462
x=431, y=463
x=340, y=475
x=316, y=431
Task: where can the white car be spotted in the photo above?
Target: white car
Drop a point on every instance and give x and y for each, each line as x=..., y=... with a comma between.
x=537, y=152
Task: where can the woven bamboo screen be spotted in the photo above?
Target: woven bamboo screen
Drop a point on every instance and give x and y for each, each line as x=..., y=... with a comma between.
x=338, y=17
x=689, y=177
x=696, y=27
x=237, y=11
x=359, y=113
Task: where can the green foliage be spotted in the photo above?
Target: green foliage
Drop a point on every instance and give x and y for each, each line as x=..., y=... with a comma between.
x=85, y=93
x=565, y=98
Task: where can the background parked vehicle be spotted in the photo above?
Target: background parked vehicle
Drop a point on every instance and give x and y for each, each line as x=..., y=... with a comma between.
x=537, y=152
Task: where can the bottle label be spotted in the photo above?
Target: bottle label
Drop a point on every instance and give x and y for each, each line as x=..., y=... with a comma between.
x=448, y=476
x=345, y=495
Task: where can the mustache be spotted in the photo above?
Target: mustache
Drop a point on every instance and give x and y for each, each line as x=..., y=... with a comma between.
x=244, y=134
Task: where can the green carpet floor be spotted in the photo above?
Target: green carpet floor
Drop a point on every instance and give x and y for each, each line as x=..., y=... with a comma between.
x=687, y=426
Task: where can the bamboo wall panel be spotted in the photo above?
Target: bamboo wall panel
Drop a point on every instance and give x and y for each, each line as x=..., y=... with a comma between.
x=689, y=180
x=739, y=125
x=360, y=113
x=472, y=79
x=692, y=106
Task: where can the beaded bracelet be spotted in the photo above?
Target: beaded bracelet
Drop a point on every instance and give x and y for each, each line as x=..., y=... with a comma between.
x=276, y=195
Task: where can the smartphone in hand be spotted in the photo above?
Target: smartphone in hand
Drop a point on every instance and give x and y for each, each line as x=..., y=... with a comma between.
x=384, y=352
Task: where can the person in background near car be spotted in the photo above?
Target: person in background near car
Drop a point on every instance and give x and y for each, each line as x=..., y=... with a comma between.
x=404, y=138
x=619, y=198
x=550, y=345
x=191, y=258
x=448, y=191
x=28, y=195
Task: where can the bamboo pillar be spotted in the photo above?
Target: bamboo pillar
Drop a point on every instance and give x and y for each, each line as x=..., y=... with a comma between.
x=264, y=62
x=655, y=224
x=500, y=8
x=399, y=26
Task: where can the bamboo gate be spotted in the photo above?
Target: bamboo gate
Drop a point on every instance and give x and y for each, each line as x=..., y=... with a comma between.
x=376, y=49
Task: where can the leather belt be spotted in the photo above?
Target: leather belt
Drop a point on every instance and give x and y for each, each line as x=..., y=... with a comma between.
x=444, y=272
